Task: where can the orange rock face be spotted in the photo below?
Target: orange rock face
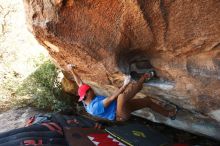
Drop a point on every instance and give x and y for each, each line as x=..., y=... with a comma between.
x=103, y=38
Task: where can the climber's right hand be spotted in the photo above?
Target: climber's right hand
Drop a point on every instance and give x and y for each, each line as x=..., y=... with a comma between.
x=70, y=66
x=127, y=80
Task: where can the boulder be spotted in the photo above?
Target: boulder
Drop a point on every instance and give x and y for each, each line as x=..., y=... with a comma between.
x=105, y=39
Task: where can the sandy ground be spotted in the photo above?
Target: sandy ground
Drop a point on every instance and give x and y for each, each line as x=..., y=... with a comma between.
x=16, y=118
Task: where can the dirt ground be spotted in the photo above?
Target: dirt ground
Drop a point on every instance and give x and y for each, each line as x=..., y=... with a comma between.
x=16, y=118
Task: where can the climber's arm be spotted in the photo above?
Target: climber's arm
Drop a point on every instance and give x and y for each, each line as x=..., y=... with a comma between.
x=77, y=79
x=109, y=99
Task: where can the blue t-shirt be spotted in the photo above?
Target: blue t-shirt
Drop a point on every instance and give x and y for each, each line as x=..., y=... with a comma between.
x=96, y=108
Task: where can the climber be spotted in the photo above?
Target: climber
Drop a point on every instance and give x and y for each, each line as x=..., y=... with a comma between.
x=118, y=106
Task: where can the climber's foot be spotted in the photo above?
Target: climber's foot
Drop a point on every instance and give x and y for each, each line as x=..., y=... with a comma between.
x=173, y=113
x=70, y=66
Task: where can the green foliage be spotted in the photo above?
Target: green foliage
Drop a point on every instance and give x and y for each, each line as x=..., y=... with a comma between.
x=45, y=90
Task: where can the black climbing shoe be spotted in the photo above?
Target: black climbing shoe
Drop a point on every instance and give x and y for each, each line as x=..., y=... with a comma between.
x=174, y=116
x=136, y=76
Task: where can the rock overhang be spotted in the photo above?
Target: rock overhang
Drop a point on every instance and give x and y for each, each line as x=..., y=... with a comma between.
x=179, y=39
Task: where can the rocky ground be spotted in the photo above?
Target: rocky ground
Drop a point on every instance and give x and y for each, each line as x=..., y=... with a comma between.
x=16, y=118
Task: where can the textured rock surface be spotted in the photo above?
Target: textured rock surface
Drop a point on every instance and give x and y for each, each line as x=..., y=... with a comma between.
x=180, y=39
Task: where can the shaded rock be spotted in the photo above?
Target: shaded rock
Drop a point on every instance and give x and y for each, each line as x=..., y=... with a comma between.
x=180, y=39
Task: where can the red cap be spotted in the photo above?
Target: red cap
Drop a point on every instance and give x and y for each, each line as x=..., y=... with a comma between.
x=82, y=91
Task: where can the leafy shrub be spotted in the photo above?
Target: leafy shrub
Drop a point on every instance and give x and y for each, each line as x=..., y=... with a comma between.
x=45, y=90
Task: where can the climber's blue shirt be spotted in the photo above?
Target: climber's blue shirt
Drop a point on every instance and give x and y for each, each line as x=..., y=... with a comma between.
x=96, y=108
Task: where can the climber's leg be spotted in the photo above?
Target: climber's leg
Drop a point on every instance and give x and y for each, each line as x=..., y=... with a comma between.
x=139, y=103
x=133, y=88
x=136, y=104
x=123, y=110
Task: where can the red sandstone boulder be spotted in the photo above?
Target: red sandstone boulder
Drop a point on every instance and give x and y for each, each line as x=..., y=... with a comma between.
x=108, y=38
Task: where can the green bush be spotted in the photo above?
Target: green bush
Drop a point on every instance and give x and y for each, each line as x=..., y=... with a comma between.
x=45, y=90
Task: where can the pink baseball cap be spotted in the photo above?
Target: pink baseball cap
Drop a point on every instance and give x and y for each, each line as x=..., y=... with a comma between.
x=82, y=91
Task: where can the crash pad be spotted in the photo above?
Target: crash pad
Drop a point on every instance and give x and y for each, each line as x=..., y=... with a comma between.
x=134, y=134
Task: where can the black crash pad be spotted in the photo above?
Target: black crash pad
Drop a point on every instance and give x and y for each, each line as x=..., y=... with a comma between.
x=135, y=134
